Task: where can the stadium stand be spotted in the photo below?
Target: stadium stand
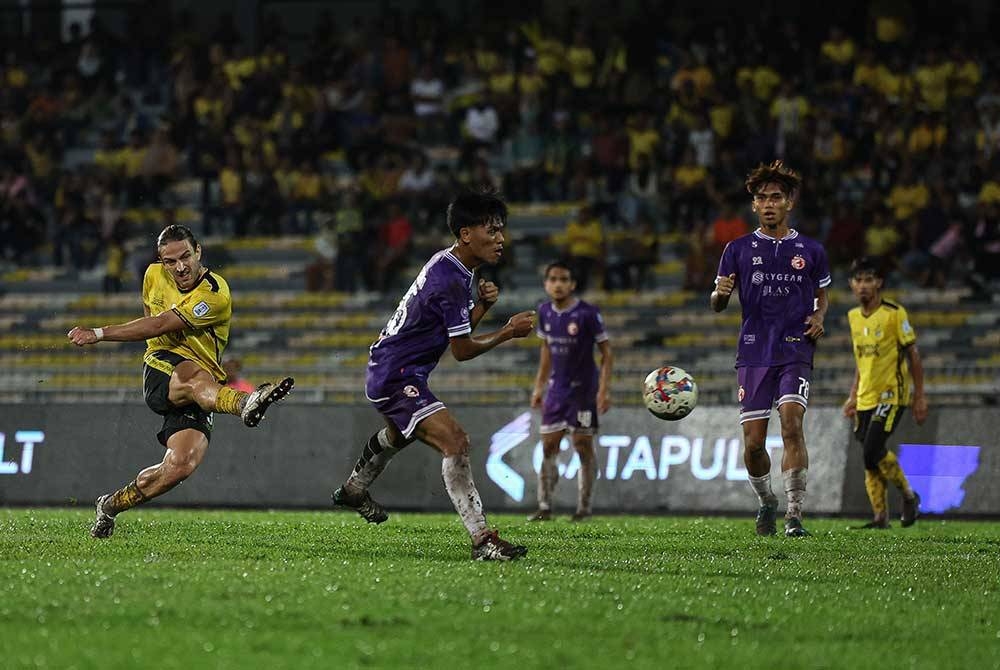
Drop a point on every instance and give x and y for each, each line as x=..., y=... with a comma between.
x=316, y=172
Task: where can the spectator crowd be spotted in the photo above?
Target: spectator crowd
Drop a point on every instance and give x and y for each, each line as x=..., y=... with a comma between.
x=646, y=123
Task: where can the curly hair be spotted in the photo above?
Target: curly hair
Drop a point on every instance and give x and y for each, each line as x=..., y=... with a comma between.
x=787, y=179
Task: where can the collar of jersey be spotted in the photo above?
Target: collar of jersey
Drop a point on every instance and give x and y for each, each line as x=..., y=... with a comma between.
x=196, y=284
x=567, y=310
x=792, y=234
x=454, y=259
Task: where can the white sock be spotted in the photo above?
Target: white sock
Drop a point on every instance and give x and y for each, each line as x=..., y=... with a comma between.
x=762, y=487
x=548, y=475
x=374, y=457
x=795, y=491
x=585, y=480
x=457, y=475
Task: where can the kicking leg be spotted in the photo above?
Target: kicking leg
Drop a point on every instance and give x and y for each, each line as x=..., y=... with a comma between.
x=192, y=384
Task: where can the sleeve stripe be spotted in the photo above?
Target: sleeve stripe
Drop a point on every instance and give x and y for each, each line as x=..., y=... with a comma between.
x=601, y=337
x=183, y=318
x=825, y=281
x=460, y=330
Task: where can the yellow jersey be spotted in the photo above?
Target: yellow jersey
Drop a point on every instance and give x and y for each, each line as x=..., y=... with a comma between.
x=880, y=340
x=206, y=311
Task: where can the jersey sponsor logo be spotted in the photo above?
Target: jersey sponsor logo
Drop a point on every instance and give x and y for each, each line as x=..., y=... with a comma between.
x=776, y=290
x=757, y=277
x=749, y=338
x=572, y=328
x=798, y=262
x=410, y=391
x=201, y=309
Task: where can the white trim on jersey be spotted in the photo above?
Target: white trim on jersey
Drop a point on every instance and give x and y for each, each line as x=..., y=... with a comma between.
x=825, y=281
x=458, y=331
x=454, y=259
x=755, y=415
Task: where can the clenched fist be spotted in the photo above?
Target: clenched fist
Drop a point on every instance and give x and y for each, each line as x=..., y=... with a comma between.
x=82, y=336
x=488, y=292
x=724, y=285
x=522, y=323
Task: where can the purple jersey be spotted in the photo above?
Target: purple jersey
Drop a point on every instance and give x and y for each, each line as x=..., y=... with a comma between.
x=435, y=308
x=777, y=282
x=571, y=335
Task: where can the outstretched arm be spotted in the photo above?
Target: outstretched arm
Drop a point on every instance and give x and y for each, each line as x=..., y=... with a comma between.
x=466, y=347
x=133, y=331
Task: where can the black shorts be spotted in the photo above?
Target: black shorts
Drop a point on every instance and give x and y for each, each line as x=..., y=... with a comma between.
x=156, y=390
x=883, y=418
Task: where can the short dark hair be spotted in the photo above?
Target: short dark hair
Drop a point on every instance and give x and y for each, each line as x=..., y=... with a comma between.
x=786, y=178
x=561, y=265
x=864, y=265
x=176, y=233
x=475, y=208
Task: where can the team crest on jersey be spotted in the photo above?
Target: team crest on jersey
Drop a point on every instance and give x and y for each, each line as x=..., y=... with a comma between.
x=465, y=313
x=740, y=394
x=410, y=391
x=572, y=328
x=798, y=262
x=201, y=309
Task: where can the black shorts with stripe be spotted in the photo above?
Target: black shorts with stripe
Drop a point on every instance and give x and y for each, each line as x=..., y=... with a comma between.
x=872, y=427
x=156, y=390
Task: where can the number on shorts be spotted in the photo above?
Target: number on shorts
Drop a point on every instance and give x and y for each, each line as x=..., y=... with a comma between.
x=882, y=410
x=804, y=387
x=583, y=418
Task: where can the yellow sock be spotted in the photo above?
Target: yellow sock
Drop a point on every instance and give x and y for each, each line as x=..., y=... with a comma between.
x=878, y=494
x=891, y=470
x=230, y=401
x=124, y=498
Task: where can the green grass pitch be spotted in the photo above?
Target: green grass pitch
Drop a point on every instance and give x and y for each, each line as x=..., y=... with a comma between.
x=231, y=589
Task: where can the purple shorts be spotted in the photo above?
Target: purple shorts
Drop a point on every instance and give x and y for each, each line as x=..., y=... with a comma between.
x=574, y=411
x=762, y=388
x=406, y=404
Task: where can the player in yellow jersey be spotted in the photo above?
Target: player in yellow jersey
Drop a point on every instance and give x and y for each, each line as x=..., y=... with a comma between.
x=885, y=350
x=186, y=327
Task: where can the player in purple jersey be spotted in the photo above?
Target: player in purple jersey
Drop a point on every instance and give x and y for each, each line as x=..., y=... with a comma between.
x=782, y=278
x=577, y=391
x=440, y=310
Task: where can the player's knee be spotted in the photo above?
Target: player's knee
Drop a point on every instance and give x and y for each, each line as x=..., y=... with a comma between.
x=754, y=448
x=791, y=430
x=457, y=444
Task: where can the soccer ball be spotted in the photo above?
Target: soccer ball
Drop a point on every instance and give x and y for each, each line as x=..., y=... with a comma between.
x=669, y=393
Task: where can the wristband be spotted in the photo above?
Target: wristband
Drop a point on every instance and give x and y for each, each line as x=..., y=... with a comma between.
x=99, y=334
